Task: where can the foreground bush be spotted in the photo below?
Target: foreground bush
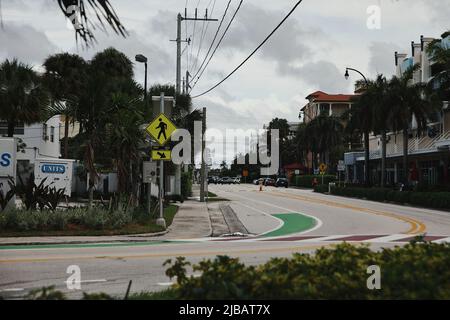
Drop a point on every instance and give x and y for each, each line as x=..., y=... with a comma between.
x=416, y=271
x=435, y=200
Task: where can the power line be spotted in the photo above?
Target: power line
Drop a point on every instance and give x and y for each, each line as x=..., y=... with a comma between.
x=218, y=44
x=214, y=39
x=254, y=51
x=203, y=34
x=193, y=34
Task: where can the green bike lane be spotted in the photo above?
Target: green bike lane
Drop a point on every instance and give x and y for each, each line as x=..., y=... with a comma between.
x=291, y=223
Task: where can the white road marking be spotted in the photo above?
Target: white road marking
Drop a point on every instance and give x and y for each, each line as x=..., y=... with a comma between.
x=317, y=226
x=87, y=281
x=391, y=238
x=12, y=290
x=442, y=240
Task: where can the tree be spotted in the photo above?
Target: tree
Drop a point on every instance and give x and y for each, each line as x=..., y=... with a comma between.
x=360, y=119
x=408, y=101
x=110, y=72
x=375, y=99
x=65, y=77
x=23, y=98
x=439, y=50
x=325, y=134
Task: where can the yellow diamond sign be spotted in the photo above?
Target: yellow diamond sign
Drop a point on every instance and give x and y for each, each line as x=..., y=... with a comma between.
x=165, y=155
x=161, y=128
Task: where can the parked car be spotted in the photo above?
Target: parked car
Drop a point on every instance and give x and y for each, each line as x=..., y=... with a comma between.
x=257, y=181
x=237, y=180
x=269, y=182
x=226, y=180
x=282, y=182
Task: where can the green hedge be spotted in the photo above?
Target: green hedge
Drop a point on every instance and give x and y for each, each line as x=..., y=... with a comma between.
x=307, y=181
x=435, y=200
x=415, y=271
x=96, y=219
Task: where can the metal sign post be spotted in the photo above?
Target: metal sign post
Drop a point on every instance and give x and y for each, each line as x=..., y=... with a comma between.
x=161, y=221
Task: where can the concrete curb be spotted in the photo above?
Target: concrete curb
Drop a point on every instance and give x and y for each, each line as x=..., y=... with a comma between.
x=134, y=238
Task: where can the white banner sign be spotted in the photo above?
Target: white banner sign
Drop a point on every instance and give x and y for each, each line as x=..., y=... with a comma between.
x=7, y=157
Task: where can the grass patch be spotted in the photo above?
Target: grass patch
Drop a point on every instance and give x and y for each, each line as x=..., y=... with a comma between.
x=73, y=229
x=212, y=195
x=168, y=294
x=217, y=199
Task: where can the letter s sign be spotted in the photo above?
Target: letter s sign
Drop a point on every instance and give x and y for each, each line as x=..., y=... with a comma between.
x=5, y=160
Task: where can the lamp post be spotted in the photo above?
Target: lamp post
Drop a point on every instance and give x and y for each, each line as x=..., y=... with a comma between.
x=143, y=59
x=351, y=69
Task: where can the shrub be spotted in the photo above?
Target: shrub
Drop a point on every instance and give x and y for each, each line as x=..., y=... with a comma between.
x=97, y=218
x=436, y=200
x=415, y=271
x=323, y=188
x=186, y=184
x=307, y=181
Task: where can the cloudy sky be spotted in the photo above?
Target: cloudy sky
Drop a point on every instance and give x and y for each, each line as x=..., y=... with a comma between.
x=309, y=53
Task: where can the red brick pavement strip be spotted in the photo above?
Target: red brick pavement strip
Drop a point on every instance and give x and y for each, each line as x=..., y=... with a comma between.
x=357, y=238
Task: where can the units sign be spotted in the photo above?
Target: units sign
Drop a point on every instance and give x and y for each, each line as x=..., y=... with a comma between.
x=53, y=168
x=7, y=157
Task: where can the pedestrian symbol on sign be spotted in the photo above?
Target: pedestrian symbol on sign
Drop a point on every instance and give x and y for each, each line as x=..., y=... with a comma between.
x=162, y=129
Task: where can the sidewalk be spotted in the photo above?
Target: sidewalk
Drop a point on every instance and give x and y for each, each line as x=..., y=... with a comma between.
x=191, y=221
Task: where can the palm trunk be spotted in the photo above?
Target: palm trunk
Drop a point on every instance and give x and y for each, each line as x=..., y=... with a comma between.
x=66, y=137
x=11, y=127
x=405, y=155
x=383, y=158
x=366, y=158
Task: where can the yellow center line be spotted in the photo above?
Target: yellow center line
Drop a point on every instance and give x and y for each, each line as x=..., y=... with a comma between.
x=175, y=254
x=416, y=225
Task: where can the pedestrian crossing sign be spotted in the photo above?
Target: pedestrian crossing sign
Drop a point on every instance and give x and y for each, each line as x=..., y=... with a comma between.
x=161, y=129
x=164, y=155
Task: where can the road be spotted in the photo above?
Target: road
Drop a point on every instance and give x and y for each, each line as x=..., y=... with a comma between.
x=283, y=221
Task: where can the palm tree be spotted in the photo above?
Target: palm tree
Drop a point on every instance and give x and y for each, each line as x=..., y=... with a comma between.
x=408, y=101
x=23, y=99
x=325, y=133
x=375, y=97
x=109, y=72
x=65, y=77
x=360, y=119
x=439, y=50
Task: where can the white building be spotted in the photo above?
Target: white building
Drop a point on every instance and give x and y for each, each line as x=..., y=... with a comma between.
x=429, y=155
x=39, y=140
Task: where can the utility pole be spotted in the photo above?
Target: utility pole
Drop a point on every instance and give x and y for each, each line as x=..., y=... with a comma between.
x=203, y=167
x=180, y=19
x=188, y=86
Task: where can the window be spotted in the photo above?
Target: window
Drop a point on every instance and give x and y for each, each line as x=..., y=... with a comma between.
x=19, y=129
x=52, y=134
x=44, y=132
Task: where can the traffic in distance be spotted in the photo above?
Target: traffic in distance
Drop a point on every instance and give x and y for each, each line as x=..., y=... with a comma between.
x=279, y=182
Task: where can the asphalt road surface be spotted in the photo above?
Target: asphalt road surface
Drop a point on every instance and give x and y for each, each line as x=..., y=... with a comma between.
x=281, y=221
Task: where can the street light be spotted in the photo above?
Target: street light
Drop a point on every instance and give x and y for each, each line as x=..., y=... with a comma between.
x=143, y=59
x=351, y=69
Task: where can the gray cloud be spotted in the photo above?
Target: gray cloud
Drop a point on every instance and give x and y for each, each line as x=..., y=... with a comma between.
x=323, y=75
x=25, y=43
x=161, y=63
x=382, y=58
